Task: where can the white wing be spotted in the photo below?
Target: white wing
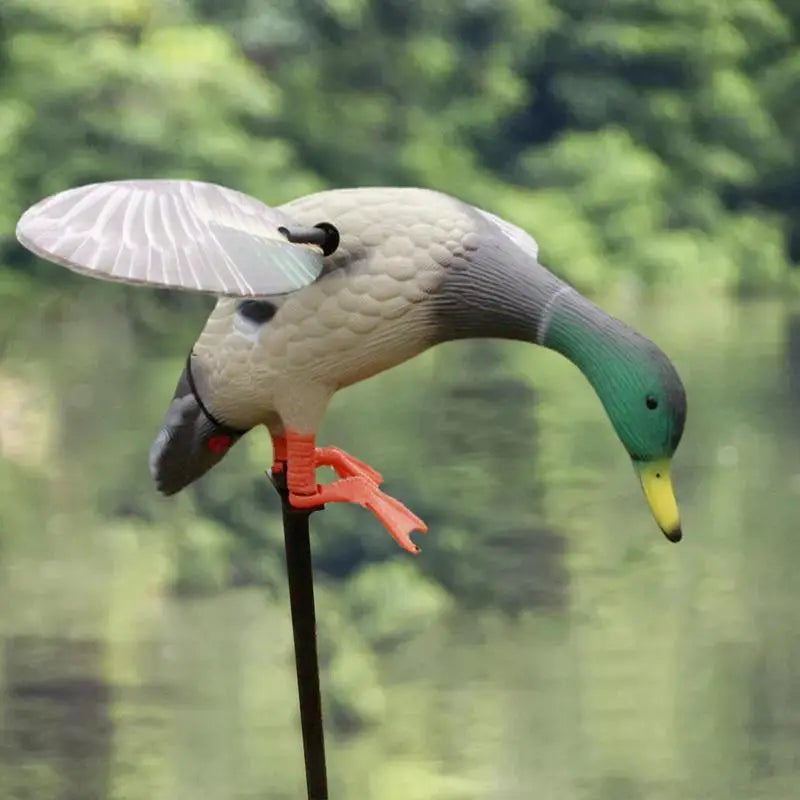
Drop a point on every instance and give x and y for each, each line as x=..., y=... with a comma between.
x=170, y=233
x=520, y=237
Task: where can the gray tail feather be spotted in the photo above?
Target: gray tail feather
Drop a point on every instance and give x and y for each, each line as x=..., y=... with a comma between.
x=189, y=442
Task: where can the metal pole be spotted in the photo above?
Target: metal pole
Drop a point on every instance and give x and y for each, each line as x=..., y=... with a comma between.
x=304, y=629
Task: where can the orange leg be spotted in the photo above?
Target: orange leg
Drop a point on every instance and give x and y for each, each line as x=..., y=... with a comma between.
x=345, y=465
x=278, y=454
x=357, y=483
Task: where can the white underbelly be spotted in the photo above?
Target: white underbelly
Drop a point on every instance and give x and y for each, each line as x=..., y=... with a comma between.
x=291, y=369
x=368, y=313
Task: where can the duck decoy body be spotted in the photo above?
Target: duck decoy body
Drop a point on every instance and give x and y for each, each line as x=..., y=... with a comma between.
x=335, y=287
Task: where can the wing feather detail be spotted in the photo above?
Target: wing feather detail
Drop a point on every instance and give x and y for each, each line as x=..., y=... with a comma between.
x=173, y=234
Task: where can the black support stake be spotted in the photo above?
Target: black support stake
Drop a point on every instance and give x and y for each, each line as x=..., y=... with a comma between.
x=304, y=629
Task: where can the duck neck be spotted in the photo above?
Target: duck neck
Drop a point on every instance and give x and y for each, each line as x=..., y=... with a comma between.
x=597, y=343
x=512, y=298
x=500, y=296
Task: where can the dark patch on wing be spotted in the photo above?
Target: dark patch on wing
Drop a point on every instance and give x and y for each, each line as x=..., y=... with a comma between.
x=258, y=311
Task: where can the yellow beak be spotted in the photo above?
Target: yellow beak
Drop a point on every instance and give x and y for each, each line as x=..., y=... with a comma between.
x=657, y=485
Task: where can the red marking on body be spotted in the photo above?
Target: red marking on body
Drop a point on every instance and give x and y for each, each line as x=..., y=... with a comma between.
x=219, y=444
x=357, y=483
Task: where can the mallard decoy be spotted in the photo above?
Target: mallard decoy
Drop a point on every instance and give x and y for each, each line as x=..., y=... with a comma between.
x=333, y=288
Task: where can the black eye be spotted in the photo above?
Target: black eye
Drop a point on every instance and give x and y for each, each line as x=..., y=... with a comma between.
x=651, y=401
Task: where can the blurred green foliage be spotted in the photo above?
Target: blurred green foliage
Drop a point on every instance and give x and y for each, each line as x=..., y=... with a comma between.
x=648, y=138
x=652, y=142
x=644, y=143
x=633, y=669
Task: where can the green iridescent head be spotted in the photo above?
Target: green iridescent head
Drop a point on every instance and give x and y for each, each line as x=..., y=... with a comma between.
x=642, y=395
x=640, y=391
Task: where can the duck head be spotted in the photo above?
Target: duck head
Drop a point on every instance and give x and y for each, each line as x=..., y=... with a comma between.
x=640, y=390
x=645, y=401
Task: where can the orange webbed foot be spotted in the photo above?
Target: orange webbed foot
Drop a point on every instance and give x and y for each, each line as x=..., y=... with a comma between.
x=395, y=517
x=345, y=465
x=357, y=483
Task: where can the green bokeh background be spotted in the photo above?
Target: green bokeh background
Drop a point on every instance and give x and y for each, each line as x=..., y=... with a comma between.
x=548, y=642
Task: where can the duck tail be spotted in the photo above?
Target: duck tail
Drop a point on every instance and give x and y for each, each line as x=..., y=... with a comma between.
x=191, y=441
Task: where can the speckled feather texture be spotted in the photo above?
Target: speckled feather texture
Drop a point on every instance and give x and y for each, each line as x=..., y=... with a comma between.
x=383, y=297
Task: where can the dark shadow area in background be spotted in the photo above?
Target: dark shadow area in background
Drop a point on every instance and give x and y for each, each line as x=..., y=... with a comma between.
x=793, y=354
x=56, y=731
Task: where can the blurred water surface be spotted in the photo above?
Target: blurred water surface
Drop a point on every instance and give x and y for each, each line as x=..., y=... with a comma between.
x=634, y=669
